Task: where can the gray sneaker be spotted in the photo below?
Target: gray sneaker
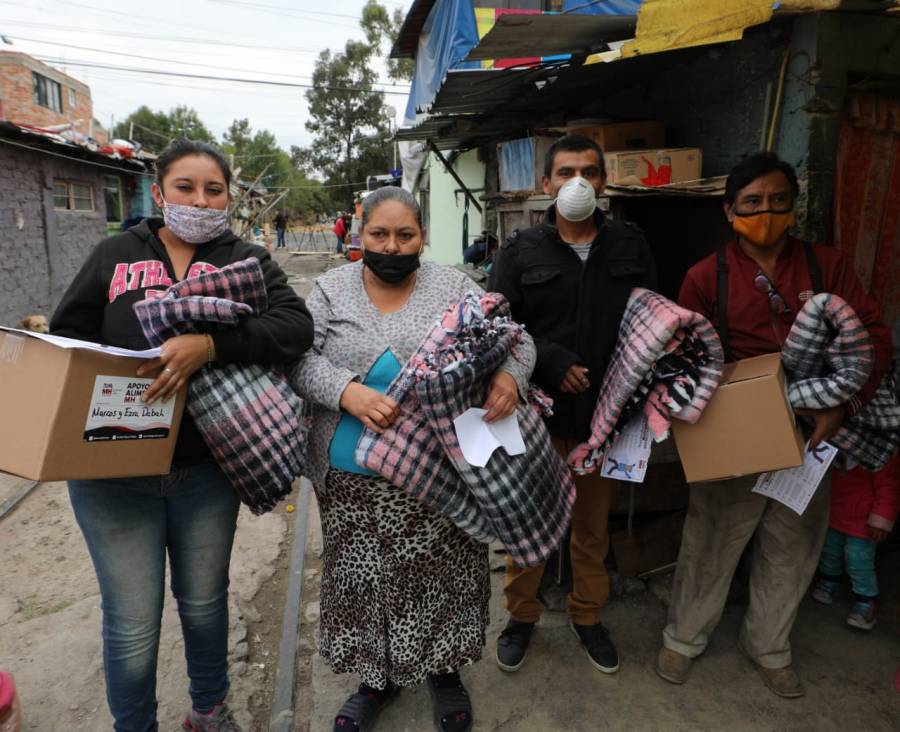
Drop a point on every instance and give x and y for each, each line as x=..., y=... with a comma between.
x=220, y=719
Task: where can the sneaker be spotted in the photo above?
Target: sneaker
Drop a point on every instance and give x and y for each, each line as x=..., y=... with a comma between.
x=512, y=645
x=599, y=648
x=220, y=719
x=824, y=592
x=862, y=615
x=673, y=666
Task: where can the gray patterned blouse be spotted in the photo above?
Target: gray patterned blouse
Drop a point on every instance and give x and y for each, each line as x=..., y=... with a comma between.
x=351, y=334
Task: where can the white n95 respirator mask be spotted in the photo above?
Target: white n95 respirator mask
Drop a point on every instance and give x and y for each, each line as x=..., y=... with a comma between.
x=576, y=199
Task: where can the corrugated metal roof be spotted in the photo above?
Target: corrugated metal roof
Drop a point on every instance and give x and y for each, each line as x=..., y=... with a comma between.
x=518, y=36
x=408, y=37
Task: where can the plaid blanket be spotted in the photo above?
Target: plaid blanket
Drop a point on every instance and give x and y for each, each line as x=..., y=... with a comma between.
x=828, y=356
x=525, y=501
x=247, y=414
x=667, y=363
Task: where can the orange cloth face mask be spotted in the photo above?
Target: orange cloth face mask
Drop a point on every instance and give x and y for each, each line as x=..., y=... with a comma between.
x=763, y=228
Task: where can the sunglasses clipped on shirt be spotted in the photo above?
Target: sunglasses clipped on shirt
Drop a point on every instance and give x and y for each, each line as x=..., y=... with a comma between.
x=763, y=284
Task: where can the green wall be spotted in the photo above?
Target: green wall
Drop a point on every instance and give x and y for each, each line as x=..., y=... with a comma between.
x=446, y=206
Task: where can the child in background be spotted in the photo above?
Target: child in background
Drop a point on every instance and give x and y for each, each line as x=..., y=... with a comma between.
x=864, y=506
x=10, y=713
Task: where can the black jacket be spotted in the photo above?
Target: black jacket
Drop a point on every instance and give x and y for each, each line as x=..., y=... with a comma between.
x=571, y=308
x=98, y=305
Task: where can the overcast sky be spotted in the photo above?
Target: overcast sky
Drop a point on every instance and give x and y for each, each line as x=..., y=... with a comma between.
x=276, y=40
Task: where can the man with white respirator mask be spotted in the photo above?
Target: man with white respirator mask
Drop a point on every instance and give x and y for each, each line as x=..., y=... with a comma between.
x=568, y=282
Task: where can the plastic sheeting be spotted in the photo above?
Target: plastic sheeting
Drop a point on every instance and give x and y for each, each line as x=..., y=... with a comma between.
x=517, y=165
x=447, y=37
x=602, y=7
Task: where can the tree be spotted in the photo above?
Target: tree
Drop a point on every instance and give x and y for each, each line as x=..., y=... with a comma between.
x=155, y=130
x=348, y=120
x=258, y=152
x=381, y=29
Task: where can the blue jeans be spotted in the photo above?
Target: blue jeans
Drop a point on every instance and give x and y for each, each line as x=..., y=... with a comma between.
x=129, y=525
x=856, y=555
x=279, y=233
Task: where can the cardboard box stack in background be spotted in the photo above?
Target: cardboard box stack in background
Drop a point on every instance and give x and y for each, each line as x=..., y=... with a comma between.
x=653, y=167
x=747, y=427
x=69, y=413
x=614, y=136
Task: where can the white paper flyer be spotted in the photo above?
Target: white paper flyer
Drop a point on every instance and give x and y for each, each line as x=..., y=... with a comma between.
x=478, y=439
x=795, y=487
x=627, y=458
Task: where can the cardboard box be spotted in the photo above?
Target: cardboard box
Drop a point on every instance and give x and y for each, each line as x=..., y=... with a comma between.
x=68, y=413
x=621, y=135
x=654, y=167
x=747, y=427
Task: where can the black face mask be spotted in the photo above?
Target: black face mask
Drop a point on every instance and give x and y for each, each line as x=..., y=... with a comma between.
x=393, y=268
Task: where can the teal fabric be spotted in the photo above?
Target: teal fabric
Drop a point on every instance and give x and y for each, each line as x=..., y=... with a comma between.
x=342, y=450
x=842, y=551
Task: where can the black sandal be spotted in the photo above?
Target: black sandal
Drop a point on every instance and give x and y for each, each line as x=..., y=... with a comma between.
x=361, y=710
x=450, y=703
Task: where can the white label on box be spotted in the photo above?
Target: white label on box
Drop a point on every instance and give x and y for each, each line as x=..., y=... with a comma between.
x=117, y=413
x=795, y=487
x=627, y=458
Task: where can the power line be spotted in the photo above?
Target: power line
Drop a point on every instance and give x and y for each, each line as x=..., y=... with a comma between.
x=253, y=5
x=164, y=60
x=307, y=15
x=264, y=82
x=222, y=42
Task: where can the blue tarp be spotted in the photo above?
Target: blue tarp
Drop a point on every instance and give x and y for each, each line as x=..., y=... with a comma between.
x=446, y=39
x=602, y=7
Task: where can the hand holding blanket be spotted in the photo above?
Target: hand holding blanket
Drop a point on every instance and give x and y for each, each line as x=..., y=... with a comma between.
x=248, y=415
x=667, y=363
x=828, y=356
x=525, y=501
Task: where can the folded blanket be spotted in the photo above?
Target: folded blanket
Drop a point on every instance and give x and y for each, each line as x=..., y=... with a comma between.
x=525, y=501
x=247, y=414
x=667, y=363
x=828, y=357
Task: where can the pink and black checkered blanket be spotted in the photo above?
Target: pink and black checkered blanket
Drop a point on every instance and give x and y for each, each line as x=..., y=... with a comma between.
x=667, y=363
x=828, y=357
x=247, y=414
x=525, y=501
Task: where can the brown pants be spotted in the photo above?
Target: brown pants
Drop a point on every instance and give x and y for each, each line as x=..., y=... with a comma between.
x=722, y=518
x=587, y=548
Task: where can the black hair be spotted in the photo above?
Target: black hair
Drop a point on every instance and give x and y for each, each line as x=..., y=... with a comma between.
x=754, y=166
x=389, y=193
x=572, y=143
x=183, y=147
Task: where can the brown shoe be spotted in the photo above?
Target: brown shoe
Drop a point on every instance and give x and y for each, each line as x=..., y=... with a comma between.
x=782, y=681
x=673, y=666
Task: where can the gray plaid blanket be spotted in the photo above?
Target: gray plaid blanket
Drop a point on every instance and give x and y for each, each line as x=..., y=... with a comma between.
x=248, y=415
x=828, y=357
x=525, y=501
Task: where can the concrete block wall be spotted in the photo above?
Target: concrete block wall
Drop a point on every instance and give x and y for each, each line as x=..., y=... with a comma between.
x=41, y=249
x=18, y=94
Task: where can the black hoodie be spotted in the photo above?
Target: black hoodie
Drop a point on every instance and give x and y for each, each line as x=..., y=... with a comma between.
x=98, y=305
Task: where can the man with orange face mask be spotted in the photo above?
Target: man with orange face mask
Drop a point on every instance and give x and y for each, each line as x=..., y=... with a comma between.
x=751, y=290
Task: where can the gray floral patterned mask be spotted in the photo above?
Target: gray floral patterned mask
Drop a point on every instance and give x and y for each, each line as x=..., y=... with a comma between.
x=195, y=225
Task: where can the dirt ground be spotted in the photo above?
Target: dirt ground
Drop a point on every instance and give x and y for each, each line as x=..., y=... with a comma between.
x=50, y=640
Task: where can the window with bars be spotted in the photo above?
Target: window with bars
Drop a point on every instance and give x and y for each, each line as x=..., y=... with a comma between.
x=71, y=99
x=71, y=195
x=47, y=93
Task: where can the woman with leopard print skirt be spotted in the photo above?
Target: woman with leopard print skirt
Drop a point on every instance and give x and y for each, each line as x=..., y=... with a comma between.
x=405, y=593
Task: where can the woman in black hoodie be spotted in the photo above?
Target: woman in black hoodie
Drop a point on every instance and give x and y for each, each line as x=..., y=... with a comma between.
x=130, y=524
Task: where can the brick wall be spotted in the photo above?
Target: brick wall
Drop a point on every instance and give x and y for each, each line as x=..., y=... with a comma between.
x=17, y=94
x=41, y=249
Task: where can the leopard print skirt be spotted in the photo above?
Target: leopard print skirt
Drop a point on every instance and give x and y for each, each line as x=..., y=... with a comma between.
x=404, y=592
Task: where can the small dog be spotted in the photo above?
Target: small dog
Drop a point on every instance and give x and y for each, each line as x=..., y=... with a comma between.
x=36, y=324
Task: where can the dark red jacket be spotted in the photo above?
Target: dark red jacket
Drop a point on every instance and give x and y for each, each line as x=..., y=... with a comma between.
x=861, y=498
x=754, y=330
